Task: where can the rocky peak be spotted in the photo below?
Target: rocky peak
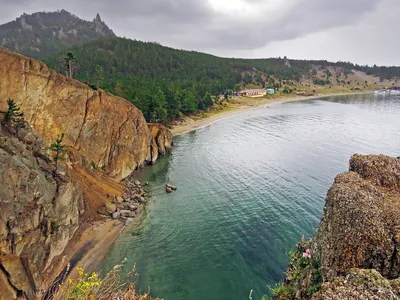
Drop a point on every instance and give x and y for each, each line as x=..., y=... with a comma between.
x=38, y=35
x=97, y=18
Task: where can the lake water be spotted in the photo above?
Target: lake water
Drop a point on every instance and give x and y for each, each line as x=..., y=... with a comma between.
x=249, y=187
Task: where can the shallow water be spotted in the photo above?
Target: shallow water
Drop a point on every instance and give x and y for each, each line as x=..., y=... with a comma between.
x=249, y=187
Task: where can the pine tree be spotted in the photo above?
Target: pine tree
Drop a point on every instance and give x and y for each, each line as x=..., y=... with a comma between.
x=59, y=149
x=13, y=116
x=69, y=60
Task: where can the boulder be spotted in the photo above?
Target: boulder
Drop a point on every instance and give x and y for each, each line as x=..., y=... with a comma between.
x=133, y=207
x=116, y=215
x=168, y=190
x=119, y=199
x=127, y=213
x=172, y=187
x=110, y=207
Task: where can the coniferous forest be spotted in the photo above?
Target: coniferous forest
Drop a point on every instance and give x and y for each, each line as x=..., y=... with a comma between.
x=166, y=83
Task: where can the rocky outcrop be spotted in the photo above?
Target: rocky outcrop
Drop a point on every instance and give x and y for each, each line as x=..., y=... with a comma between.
x=161, y=142
x=356, y=250
x=100, y=128
x=361, y=223
x=39, y=214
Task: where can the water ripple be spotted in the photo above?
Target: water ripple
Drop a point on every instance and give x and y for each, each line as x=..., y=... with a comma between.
x=248, y=188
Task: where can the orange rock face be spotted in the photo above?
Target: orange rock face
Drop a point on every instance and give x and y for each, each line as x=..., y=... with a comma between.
x=42, y=215
x=99, y=127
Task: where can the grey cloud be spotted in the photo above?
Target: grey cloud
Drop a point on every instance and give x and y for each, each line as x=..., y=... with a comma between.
x=193, y=24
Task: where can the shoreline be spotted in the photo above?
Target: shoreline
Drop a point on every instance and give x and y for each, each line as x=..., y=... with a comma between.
x=102, y=234
x=192, y=125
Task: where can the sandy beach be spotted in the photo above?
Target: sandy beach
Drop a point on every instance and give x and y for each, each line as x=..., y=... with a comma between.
x=190, y=124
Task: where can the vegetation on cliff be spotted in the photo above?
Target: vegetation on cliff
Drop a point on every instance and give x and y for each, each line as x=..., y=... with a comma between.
x=13, y=116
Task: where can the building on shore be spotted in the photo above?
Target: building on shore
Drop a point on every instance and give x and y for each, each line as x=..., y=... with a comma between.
x=253, y=93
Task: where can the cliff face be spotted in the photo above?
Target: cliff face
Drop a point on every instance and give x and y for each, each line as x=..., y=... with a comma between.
x=42, y=213
x=361, y=224
x=39, y=214
x=356, y=251
x=99, y=127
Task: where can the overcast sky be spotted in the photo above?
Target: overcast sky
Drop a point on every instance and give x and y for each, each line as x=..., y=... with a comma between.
x=360, y=31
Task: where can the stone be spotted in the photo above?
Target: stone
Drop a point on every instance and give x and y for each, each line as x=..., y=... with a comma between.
x=119, y=199
x=110, y=207
x=133, y=207
x=168, y=190
x=137, y=197
x=127, y=213
x=172, y=187
x=128, y=221
x=116, y=215
x=137, y=182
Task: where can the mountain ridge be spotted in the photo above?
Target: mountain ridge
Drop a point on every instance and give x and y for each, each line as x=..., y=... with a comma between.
x=44, y=33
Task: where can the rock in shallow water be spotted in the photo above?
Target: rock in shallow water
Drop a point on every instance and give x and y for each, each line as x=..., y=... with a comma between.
x=172, y=187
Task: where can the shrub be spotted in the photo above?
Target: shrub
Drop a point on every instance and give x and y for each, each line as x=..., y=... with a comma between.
x=92, y=287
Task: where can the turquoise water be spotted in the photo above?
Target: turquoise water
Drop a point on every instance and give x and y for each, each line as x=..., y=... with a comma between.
x=249, y=187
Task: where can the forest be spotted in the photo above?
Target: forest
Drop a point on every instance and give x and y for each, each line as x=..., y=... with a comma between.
x=166, y=83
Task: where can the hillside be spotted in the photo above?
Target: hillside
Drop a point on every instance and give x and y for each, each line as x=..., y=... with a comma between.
x=167, y=83
x=45, y=33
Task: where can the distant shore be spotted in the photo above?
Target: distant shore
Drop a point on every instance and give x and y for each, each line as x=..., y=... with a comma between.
x=190, y=124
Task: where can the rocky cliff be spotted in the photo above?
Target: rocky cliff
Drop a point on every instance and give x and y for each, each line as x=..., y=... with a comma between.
x=355, y=253
x=39, y=213
x=100, y=128
x=45, y=216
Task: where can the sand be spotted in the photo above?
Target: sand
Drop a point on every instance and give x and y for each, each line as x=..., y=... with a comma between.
x=190, y=124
